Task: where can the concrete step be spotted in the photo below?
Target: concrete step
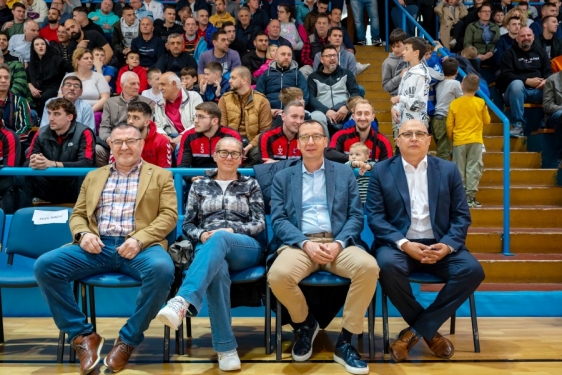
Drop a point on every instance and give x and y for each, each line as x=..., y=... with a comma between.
x=518, y=159
x=522, y=240
x=370, y=75
x=529, y=177
x=521, y=217
x=521, y=268
x=521, y=195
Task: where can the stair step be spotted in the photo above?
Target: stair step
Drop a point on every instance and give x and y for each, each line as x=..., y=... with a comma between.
x=521, y=195
x=521, y=268
x=504, y=287
x=519, y=176
x=521, y=217
x=518, y=159
x=370, y=75
x=522, y=240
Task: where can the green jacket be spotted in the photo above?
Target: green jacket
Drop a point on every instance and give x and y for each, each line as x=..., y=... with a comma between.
x=473, y=37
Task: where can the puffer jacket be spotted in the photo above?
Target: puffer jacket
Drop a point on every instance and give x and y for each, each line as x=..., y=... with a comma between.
x=275, y=79
x=239, y=207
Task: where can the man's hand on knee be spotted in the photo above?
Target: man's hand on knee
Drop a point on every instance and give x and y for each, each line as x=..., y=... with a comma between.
x=317, y=252
x=129, y=249
x=91, y=243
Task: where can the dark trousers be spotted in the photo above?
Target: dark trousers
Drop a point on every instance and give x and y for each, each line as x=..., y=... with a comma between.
x=460, y=269
x=53, y=189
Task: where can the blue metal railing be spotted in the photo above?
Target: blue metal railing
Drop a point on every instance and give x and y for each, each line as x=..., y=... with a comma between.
x=505, y=121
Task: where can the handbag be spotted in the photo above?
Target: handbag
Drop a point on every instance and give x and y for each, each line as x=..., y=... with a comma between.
x=182, y=253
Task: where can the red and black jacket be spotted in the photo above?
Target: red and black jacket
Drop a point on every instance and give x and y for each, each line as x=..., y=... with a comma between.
x=341, y=142
x=274, y=144
x=74, y=149
x=10, y=148
x=196, y=149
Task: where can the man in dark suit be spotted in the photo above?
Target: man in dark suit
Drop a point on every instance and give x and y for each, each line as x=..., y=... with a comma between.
x=317, y=220
x=417, y=210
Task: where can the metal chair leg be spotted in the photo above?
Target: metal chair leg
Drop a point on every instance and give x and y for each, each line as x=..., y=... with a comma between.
x=453, y=323
x=278, y=332
x=475, y=335
x=371, y=325
x=92, y=307
x=72, y=353
x=84, y=296
x=60, y=348
x=267, y=319
x=166, y=350
x=385, y=333
x=188, y=328
x=181, y=347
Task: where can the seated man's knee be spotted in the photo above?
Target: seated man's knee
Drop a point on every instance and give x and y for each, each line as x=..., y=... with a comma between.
x=162, y=268
x=43, y=265
x=279, y=275
x=102, y=156
x=516, y=86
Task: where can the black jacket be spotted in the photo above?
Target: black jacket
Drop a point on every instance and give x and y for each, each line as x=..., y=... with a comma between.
x=555, y=48
x=331, y=91
x=239, y=46
x=77, y=147
x=169, y=63
x=253, y=62
x=247, y=35
x=517, y=64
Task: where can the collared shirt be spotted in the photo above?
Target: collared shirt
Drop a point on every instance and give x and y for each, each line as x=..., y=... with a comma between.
x=84, y=114
x=20, y=48
x=420, y=226
x=315, y=216
x=115, y=212
x=172, y=110
x=487, y=34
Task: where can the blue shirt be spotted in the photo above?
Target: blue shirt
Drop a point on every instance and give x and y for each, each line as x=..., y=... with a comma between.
x=487, y=34
x=84, y=114
x=315, y=215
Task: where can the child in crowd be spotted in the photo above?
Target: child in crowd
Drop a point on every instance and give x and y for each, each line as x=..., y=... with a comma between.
x=189, y=79
x=132, y=64
x=394, y=67
x=270, y=56
x=359, y=158
x=433, y=63
x=153, y=93
x=411, y=101
x=214, y=85
x=108, y=71
x=465, y=121
x=446, y=91
x=350, y=103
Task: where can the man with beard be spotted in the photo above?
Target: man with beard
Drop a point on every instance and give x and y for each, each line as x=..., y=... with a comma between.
x=49, y=32
x=256, y=58
x=221, y=15
x=329, y=88
x=379, y=147
x=524, y=70
x=71, y=90
x=7, y=57
x=233, y=43
x=283, y=72
x=246, y=111
x=86, y=39
x=229, y=59
x=80, y=15
x=281, y=142
x=124, y=32
x=176, y=59
x=58, y=5
x=148, y=45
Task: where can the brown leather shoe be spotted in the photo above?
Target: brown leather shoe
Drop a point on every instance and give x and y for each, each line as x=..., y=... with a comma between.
x=119, y=356
x=400, y=348
x=88, y=350
x=440, y=346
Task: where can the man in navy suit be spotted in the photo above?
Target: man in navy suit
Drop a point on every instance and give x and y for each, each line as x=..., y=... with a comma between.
x=317, y=219
x=417, y=210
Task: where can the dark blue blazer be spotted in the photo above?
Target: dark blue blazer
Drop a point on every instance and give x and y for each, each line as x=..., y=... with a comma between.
x=388, y=203
x=344, y=206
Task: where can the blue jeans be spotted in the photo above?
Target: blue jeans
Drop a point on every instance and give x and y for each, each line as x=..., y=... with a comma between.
x=56, y=269
x=396, y=15
x=357, y=7
x=516, y=95
x=208, y=274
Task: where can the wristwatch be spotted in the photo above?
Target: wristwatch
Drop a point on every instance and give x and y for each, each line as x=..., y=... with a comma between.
x=78, y=236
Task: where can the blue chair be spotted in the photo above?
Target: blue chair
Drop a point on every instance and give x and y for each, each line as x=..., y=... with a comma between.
x=325, y=279
x=116, y=280
x=26, y=242
x=426, y=278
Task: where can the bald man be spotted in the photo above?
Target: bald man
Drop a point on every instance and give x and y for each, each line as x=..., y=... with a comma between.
x=86, y=39
x=20, y=44
x=417, y=209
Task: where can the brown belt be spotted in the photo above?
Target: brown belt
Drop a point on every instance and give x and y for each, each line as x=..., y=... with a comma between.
x=320, y=235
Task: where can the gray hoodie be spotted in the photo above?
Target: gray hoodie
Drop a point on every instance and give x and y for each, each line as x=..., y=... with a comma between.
x=391, y=68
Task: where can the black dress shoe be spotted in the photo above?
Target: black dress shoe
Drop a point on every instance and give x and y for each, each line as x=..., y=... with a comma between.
x=302, y=349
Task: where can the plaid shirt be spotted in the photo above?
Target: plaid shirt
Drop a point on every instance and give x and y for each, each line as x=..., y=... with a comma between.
x=115, y=212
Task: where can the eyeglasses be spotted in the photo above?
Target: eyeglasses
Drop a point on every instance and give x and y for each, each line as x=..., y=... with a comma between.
x=315, y=137
x=332, y=56
x=235, y=155
x=419, y=135
x=72, y=85
x=201, y=117
x=130, y=142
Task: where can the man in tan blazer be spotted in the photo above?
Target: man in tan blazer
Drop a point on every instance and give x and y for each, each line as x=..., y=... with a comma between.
x=120, y=221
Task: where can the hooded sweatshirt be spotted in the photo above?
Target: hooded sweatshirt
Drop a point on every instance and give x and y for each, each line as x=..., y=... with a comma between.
x=391, y=68
x=129, y=32
x=413, y=92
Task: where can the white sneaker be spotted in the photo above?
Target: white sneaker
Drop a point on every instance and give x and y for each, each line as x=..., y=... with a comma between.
x=362, y=67
x=229, y=361
x=173, y=313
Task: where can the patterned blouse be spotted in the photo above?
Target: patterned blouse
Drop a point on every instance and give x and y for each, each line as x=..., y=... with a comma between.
x=239, y=207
